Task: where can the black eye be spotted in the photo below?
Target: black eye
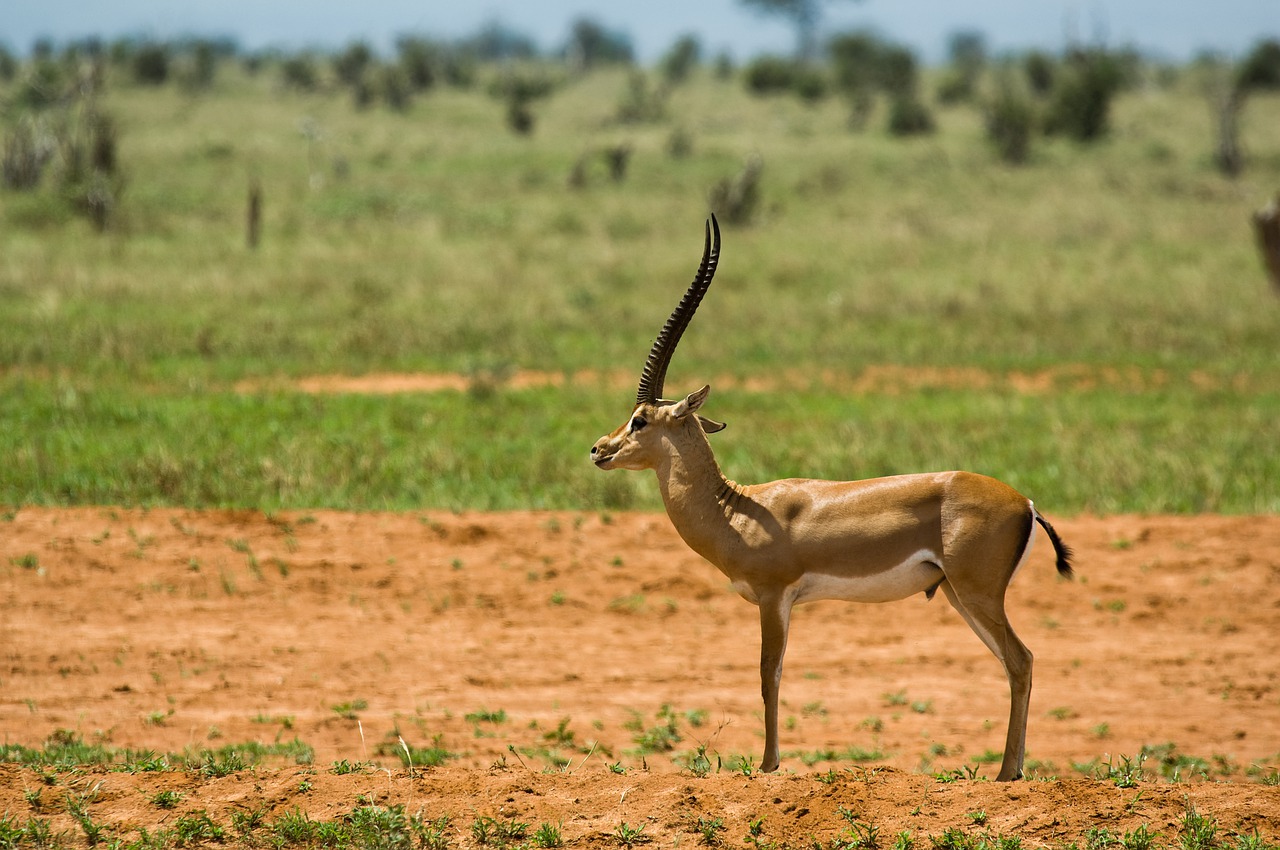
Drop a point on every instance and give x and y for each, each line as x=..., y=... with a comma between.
x=638, y=423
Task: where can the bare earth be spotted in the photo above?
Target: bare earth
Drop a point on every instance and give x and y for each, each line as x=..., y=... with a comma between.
x=179, y=631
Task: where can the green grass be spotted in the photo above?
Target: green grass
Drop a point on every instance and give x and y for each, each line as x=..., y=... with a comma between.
x=436, y=240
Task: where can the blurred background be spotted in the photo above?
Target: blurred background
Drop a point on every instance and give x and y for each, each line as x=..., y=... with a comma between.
x=399, y=254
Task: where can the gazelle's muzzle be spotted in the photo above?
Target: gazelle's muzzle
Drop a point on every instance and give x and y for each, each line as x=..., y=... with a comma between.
x=603, y=451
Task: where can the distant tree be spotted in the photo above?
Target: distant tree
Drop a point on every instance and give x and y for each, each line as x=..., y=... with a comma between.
x=42, y=49
x=804, y=15
x=350, y=64
x=1230, y=90
x=967, y=58
x=590, y=44
x=1261, y=68
x=681, y=59
x=1011, y=119
x=8, y=65
x=299, y=72
x=151, y=63
x=1081, y=102
x=1040, y=70
x=496, y=43
x=519, y=89
x=199, y=63
x=420, y=60
x=769, y=75
x=865, y=64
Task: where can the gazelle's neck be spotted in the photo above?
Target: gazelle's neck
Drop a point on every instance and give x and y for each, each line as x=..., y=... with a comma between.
x=699, y=499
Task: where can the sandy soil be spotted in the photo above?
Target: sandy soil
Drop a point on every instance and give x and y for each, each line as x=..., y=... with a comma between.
x=180, y=631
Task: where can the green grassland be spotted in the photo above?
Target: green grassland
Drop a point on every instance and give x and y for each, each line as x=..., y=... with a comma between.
x=436, y=239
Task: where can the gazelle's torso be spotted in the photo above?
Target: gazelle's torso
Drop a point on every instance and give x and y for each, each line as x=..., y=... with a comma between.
x=876, y=540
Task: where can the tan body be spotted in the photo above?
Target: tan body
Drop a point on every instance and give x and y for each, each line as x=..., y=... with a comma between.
x=800, y=540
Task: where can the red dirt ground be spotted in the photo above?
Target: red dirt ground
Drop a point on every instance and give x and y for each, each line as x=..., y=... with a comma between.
x=178, y=630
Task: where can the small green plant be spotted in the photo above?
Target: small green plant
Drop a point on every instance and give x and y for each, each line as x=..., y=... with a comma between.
x=967, y=771
x=348, y=710
x=245, y=822
x=1127, y=774
x=547, y=835
x=222, y=763
x=344, y=767
x=29, y=561
x=710, y=829
x=486, y=830
x=1099, y=838
x=1198, y=832
x=698, y=762
x=656, y=739
x=197, y=828
x=897, y=698
x=432, y=834
x=167, y=799
x=858, y=834
x=1141, y=838
x=630, y=836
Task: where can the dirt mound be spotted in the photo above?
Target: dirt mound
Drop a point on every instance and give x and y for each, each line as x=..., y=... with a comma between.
x=598, y=648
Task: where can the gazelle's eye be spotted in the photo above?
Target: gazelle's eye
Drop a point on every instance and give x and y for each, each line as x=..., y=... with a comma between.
x=637, y=423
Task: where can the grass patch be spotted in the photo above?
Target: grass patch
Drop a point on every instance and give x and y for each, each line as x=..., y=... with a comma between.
x=1102, y=306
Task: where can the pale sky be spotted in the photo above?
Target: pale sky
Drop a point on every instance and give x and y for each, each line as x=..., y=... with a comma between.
x=1172, y=30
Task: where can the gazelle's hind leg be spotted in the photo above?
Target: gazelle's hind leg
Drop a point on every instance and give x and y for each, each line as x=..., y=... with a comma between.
x=985, y=615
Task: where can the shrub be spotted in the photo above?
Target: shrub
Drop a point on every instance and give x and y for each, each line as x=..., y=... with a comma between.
x=8, y=65
x=590, y=45
x=809, y=84
x=1040, y=70
x=351, y=64
x=908, y=116
x=151, y=64
x=1081, y=100
x=420, y=61
x=43, y=86
x=1261, y=68
x=641, y=104
x=1011, y=119
x=396, y=91
x=299, y=72
x=735, y=199
x=681, y=59
x=769, y=75
x=24, y=157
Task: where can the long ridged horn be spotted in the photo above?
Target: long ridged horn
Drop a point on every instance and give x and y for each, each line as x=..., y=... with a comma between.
x=655, y=368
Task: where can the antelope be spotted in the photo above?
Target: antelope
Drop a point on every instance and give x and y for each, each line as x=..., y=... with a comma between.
x=801, y=540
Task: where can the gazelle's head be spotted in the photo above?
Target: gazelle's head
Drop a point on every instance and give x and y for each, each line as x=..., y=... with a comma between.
x=648, y=433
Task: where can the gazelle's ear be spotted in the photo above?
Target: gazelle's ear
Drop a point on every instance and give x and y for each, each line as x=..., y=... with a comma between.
x=691, y=402
x=710, y=426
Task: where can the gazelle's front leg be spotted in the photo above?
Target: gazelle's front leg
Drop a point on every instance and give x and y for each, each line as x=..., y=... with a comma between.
x=775, y=619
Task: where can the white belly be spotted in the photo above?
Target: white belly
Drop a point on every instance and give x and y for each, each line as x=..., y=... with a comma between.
x=914, y=575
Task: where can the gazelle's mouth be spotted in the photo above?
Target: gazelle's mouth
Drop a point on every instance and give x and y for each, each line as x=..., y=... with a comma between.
x=601, y=460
